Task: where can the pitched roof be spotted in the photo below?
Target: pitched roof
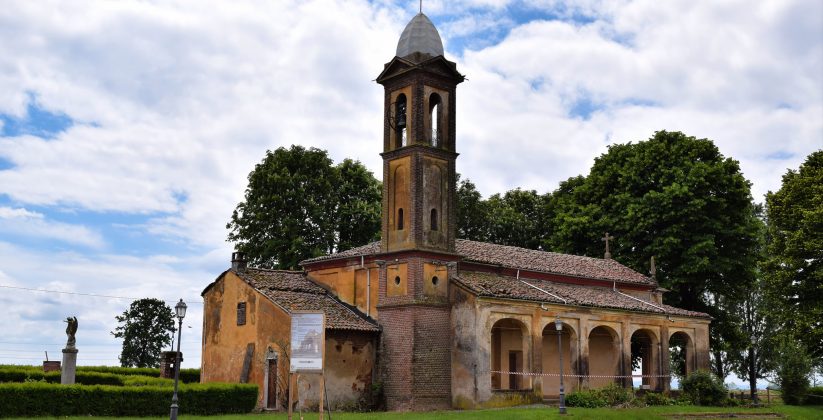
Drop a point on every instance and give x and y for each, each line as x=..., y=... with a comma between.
x=525, y=259
x=292, y=291
x=506, y=287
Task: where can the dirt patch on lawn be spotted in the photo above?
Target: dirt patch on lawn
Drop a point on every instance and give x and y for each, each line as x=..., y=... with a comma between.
x=725, y=416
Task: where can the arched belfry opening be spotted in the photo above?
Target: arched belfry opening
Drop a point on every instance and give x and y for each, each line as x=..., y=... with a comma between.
x=435, y=119
x=401, y=121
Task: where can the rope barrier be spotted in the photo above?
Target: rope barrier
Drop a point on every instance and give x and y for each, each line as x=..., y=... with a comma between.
x=571, y=375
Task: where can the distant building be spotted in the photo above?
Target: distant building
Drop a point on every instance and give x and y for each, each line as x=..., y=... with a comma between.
x=436, y=321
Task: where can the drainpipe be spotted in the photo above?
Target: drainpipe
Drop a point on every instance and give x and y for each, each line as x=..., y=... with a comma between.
x=368, y=286
x=565, y=302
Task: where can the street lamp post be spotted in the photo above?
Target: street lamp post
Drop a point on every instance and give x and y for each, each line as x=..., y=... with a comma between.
x=180, y=310
x=559, y=327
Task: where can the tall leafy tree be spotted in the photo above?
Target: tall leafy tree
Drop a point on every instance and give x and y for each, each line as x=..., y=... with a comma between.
x=358, y=209
x=517, y=218
x=145, y=328
x=299, y=205
x=472, y=212
x=794, y=268
x=674, y=197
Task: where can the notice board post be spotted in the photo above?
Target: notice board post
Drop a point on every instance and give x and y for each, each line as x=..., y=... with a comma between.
x=308, y=350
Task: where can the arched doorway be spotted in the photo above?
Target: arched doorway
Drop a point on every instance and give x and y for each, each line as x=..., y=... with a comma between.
x=508, y=345
x=681, y=356
x=645, y=359
x=551, y=359
x=604, y=356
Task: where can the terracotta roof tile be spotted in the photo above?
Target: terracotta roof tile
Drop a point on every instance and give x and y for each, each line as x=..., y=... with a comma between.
x=493, y=285
x=525, y=259
x=292, y=291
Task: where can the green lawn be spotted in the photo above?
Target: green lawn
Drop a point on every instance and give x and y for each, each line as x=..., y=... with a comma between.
x=670, y=412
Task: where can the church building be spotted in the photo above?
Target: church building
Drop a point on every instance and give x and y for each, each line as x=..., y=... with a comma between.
x=437, y=322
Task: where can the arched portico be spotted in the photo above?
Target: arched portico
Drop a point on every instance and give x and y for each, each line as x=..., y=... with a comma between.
x=645, y=357
x=681, y=354
x=509, y=353
x=551, y=360
x=604, y=356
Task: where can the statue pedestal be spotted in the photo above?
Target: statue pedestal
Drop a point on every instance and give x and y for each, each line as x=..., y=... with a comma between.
x=69, y=367
x=167, y=360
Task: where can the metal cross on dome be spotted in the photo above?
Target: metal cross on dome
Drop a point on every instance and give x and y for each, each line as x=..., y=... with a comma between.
x=606, y=239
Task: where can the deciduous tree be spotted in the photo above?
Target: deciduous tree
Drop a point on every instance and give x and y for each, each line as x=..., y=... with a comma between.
x=299, y=205
x=794, y=268
x=145, y=328
x=674, y=197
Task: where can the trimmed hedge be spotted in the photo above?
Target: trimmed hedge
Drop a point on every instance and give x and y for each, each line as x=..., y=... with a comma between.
x=18, y=373
x=82, y=378
x=43, y=399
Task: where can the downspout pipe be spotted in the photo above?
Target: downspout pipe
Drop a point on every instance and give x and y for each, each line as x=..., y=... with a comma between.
x=368, y=285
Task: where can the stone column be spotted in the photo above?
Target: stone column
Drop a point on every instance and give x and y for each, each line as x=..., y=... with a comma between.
x=69, y=367
x=537, y=353
x=665, y=360
x=626, y=355
x=583, y=340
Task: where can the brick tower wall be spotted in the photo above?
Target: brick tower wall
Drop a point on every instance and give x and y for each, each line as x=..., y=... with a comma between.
x=416, y=357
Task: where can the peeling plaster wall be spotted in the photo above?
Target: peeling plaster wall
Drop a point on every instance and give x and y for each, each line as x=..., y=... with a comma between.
x=349, y=354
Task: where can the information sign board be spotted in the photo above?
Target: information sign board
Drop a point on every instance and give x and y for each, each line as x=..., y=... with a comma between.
x=307, y=341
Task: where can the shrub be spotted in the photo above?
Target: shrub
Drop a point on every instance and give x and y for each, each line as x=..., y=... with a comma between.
x=703, y=388
x=793, y=369
x=615, y=394
x=43, y=399
x=138, y=380
x=655, y=398
x=86, y=374
x=814, y=396
x=586, y=399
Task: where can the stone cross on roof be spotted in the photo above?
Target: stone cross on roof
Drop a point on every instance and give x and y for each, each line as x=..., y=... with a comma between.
x=606, y=238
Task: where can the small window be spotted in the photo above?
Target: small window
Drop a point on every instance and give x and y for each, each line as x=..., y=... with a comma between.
x=435, y=280
x=434, y=219
x=397, y=280
x=241, y=313
x=399, y=219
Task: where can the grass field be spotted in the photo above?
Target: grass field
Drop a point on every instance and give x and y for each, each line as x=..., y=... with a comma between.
x=530, y=413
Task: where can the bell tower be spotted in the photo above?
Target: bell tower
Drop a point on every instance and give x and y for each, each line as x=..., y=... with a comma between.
x=419, y=221
x=419, y=198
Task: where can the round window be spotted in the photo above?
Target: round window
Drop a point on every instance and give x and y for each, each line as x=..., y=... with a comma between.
x=435, y=280
x=397, y=280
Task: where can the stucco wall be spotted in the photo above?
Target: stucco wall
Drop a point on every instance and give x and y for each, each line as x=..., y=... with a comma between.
x=349, y=355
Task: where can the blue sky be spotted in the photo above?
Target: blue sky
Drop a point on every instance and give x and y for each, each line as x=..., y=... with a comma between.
x=127, y=129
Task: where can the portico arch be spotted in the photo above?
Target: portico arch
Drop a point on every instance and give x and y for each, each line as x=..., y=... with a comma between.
x=646, y=358
x=509, y=353
x=551, y=359
x=604, y=356
x=681, y=354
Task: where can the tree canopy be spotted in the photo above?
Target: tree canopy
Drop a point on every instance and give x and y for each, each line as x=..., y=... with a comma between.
x=673, y=197
x=299, y=205
x=146, y=329
x=794, y=267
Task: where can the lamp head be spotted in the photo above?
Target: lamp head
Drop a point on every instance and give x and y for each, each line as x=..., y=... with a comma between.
x=557, y=324
x=180, y=309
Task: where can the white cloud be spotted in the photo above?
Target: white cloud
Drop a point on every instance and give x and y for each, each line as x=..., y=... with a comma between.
x=19, y=221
